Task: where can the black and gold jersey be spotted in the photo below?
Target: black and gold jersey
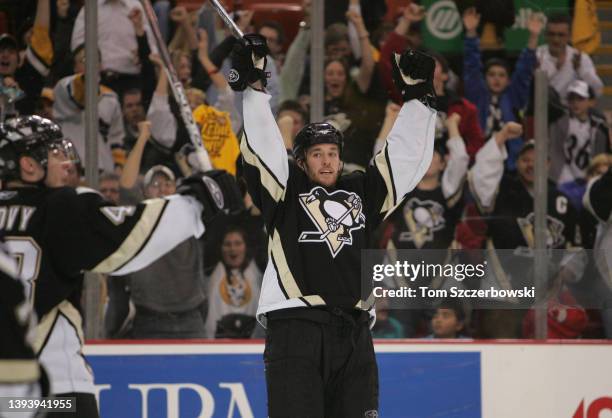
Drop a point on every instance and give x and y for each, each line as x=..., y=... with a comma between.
x=57, y=234
x=316, y=233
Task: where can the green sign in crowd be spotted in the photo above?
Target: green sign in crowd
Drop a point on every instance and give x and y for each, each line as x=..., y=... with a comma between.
x=442, y=27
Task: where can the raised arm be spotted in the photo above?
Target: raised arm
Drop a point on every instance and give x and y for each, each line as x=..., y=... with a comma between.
x=366, y=69
x=486, y=173
x=473, y=79
x=407, y=153
x=129, y=174
x=458, y=159
x=262, y=147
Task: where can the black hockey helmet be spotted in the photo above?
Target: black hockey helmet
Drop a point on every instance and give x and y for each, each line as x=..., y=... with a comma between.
x=30, y=136
x=316, y=133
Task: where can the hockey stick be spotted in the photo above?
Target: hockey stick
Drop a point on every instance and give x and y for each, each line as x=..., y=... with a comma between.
x=227, y=19
x=177, y=89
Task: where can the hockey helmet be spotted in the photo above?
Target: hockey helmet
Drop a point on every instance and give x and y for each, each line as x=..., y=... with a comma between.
x=316, y=133
x=30, y=136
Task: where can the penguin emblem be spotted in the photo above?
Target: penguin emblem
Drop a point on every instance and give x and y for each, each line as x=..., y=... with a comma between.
x=335, y=216
x=423, y=219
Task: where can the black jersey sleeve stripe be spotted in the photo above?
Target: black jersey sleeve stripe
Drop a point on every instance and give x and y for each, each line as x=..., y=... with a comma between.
x=44, y=330
x=278, y=277
x=289, y=284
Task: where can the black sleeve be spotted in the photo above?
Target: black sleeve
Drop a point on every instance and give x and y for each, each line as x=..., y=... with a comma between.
x=199, y=76
x=102, y=238
x=147, y=70
x=222, y=51
x=62, y=56
x=31, y=82
x=600, y=197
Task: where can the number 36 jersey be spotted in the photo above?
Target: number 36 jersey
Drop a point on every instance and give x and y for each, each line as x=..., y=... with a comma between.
x=57, y=234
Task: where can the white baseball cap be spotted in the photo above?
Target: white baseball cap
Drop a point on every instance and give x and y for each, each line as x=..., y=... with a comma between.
x=579, y=87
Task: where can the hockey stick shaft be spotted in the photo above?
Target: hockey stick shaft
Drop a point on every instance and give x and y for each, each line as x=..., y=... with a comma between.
x=233, y=27
x=177, y=89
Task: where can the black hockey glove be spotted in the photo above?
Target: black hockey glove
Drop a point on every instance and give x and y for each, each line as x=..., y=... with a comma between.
x=249, y=59
x=413, y=75
x=217, y=190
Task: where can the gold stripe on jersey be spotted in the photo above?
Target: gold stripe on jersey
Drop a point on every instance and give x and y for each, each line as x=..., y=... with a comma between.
x=366, y=304
x=46, y=325
x=382, y=164
x=452, y=200
x=284, y=272
x=43, y=329
x=267, y=178
x=482, y=208
x=136, y=239
x=314, y=300
x=19, y=371
x=498, y=270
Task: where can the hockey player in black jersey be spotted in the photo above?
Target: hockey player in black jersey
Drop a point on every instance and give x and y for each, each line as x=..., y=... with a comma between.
x=319, y=356
x=20, y=372
x=56, y=233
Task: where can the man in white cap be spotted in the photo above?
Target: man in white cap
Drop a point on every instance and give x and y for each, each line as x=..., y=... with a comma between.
x=576, y=137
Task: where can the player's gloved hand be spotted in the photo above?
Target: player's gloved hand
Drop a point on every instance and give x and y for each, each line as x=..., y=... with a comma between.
x=249, y=58
x=413, y=76
x=217, y=190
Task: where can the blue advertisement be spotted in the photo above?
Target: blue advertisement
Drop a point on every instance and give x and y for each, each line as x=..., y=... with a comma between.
x=428, y=384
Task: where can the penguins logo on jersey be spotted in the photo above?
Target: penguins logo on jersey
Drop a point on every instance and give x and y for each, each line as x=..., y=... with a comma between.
x=335, y=215
x=554, y=231
x=422, y=220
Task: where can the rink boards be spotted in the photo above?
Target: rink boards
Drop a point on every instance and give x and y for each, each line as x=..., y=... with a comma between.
x=502, y=379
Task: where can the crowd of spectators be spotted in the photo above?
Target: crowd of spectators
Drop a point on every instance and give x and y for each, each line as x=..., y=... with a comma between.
x=477, y=194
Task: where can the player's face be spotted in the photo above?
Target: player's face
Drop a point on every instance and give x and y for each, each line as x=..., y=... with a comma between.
x=8, y=60
x=525, y=165
x=335, y=79
x=58, y=166
x=233, y=250
x=497, y=79
x=323, y=164
x=445, y=324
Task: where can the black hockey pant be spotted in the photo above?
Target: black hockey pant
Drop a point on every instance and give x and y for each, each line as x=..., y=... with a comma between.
x=320, y=364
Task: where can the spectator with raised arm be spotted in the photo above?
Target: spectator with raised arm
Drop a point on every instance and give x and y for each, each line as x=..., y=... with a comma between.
x=69, y=113
x=119, y=41
x=562, y=62
x=498, y=95
x=164, y=308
